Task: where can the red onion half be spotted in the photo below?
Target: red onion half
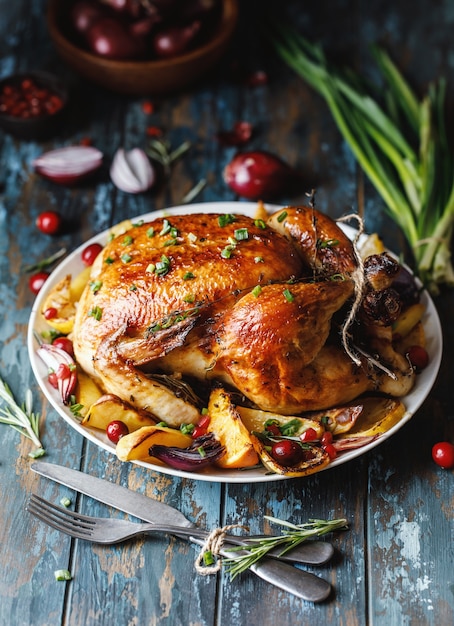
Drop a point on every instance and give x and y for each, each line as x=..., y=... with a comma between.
x=67, y=166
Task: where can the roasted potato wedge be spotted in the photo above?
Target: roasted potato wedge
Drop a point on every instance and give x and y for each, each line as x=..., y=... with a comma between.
x=377, y=417
x=226, y=424
x=135, y=445
x=416, y=337
x=260, y=212
x=372, y=244
x=121, y=228
x=255, y=420
x=62, y=298
x=315, y=460
x=109, y=408
x=59, y=298
x=78, y=284
x=408, y=320
x=87, y=392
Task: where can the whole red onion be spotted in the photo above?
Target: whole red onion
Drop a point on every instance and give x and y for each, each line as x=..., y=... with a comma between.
x=84, y=13
x=174, y=40
x=110, y=38
x=257, y=175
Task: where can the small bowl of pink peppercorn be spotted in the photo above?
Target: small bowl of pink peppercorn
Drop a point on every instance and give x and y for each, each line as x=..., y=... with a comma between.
x=31, y=105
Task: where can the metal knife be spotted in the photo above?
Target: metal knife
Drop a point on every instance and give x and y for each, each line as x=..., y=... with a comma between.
x=303, y=584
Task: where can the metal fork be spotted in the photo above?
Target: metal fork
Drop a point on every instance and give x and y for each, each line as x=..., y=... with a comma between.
x=106, y=530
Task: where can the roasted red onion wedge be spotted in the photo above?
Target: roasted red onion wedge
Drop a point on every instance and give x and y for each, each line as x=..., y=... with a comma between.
x=204, y=451
x=56, y=358
x=352, y=443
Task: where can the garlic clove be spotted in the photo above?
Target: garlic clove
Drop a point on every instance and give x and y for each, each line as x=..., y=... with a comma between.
x=132, y=171
x=68, y=165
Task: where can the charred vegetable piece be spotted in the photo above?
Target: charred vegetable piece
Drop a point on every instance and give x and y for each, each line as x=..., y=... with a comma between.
x=312, y=458
x=202, y=452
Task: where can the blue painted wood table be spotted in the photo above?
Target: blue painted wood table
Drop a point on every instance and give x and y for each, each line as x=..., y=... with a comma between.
x=394, y=566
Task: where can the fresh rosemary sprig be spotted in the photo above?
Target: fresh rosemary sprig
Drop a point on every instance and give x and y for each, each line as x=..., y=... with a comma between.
x=161, y=152
x=289, y=539
x=21, y=418
x=399, y=141
x=194, y=192
x=40, y=265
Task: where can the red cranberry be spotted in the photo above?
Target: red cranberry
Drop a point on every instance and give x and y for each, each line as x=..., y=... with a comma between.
x=116, y=430
x=287, y=452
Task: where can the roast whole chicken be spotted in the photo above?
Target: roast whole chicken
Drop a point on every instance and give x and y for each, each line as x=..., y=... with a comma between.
x=259, y=305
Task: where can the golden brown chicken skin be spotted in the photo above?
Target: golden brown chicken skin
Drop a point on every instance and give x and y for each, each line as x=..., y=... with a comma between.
x=228, y=298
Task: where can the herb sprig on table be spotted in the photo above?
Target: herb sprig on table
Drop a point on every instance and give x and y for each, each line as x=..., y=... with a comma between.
x=399, y=141
x=292, y=536
x=21, y=417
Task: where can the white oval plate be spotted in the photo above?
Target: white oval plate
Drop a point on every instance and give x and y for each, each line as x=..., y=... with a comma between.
x=73, y=265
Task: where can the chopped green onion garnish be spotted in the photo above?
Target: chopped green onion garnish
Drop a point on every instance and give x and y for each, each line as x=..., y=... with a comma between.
x=201, y=451
x=151, y=232
x=288, y=295
x=127, y=241
x=329, y=243
x=188, y=276
x=95, y=312
x=95, y=285
x=290, y=428
x=227, y=252
x=62, y=574
x=150, y=268
x=258, y=259
x=208, y=558
x=126, y=258
x=281, y=217
x=187, y=429
x=109, y=260
x=257, y=291
x=35, y=454
x=163, y=266
x=241, y=234
x=76, y=408
x=165, y=227
x=260, y=224
x=225, y=219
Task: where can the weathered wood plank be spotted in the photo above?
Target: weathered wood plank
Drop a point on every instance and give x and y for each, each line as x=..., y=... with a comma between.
x=394, y=565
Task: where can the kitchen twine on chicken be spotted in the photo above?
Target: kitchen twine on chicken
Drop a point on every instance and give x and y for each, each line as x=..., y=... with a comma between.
x=213, y=545
x=359, y=281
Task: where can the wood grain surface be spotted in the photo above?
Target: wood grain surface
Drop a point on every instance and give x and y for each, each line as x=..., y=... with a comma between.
x=394, y=566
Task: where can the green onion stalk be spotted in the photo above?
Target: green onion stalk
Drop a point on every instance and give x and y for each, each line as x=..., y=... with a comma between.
x=399, y=141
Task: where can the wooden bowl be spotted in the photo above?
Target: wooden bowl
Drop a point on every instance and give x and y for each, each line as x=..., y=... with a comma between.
x=143, y=77
x=45, y=120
